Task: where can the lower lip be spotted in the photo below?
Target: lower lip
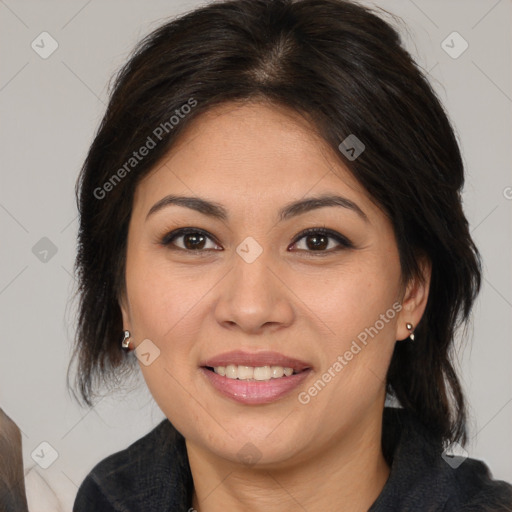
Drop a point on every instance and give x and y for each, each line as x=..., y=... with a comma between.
x=255, y=392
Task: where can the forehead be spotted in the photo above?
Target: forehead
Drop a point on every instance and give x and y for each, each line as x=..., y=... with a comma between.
x=261, y=152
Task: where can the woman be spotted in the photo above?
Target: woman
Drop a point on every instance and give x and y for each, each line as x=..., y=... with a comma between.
x=271, y=222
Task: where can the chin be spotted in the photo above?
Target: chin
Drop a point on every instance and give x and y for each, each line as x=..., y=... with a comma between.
x=260, y=442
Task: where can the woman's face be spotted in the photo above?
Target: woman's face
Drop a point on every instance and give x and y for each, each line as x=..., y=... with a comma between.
x=244, y=291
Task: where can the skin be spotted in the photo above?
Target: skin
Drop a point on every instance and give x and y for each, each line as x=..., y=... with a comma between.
x=253, y=158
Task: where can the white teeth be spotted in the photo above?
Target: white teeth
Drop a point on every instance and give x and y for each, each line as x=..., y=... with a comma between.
x=262, y=373
x=277, y=371
x=232, y=371
x=245, y=372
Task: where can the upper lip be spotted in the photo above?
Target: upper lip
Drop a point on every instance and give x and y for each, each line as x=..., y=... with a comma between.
x=239, y=357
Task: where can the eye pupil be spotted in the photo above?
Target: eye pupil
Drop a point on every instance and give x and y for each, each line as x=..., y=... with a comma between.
x=194, y=238
x=316, y=244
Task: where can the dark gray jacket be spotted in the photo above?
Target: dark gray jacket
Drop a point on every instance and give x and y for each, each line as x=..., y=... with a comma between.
x=153, y=475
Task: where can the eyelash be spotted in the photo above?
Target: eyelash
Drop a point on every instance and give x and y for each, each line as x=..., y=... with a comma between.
x=344, y=242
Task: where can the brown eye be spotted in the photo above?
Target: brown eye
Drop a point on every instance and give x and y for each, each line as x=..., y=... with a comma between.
x=192, y=240
x=316, y=242
x=321, y=240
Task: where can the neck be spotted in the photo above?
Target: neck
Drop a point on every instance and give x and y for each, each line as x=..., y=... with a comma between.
x=351, y=471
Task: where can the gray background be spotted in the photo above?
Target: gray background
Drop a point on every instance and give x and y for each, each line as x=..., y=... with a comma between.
x=50, y=109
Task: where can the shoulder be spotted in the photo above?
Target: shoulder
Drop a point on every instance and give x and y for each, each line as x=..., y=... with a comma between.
x=91, y=497
x=121, y=481
x=423, y=478
x=477, y=490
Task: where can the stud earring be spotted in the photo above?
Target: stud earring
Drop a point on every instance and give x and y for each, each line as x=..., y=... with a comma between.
x=125, y=344
x=410, y=327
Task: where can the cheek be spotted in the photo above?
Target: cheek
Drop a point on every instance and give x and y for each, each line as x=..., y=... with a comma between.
x=162, y=310
x=353, y=298
x=162, y=299
x=358, y=312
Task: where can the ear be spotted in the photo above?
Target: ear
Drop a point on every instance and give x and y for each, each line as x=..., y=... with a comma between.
x=414, y=300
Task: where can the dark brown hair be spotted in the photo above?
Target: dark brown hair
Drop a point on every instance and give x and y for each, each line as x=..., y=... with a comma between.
x=344, y=69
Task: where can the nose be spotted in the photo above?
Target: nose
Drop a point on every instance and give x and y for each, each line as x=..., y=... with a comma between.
x=253, y=298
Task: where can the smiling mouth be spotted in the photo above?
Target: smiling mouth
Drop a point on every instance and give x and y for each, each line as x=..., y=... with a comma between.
x=253, y=373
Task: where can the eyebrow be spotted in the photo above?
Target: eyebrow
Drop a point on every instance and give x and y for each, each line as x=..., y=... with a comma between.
x=217, y=211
